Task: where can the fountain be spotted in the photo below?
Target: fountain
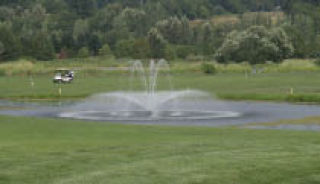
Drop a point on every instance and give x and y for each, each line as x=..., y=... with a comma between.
x=143, y=101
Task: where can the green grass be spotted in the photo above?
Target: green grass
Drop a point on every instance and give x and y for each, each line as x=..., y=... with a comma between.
x=303, y=121
x=29, y=67
x=234, y=86
x=52, y=151
x=233, y=81
x=92, y=64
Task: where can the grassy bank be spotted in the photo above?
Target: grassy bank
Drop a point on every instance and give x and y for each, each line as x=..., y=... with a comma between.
x=304, y=121
x=292, y=80
x=292, y=87
x=60, y=151
x=97, y=64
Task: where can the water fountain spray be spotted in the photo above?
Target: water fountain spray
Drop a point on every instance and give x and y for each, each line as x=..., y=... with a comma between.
x=147, y=103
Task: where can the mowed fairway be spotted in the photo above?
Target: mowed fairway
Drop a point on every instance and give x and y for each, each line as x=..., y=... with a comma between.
x=52, y=151
x=270, y=86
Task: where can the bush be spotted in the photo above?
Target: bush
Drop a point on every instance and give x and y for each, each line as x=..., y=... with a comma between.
x=208, y=68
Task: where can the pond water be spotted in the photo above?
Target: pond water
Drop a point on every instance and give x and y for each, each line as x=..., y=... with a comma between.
x=241, y=112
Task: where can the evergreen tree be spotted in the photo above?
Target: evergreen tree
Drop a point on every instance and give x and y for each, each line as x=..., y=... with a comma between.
x=11, y=46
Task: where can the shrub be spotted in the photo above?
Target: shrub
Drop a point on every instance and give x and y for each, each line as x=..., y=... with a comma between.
x=208, y=68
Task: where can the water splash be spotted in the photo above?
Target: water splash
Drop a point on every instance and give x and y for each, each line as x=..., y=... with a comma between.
x=146, y=102
x=151, y=101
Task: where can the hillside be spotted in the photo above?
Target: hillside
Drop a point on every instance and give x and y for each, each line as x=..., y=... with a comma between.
x=46, y=30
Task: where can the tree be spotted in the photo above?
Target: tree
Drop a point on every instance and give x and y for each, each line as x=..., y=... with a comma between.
x=84, y=38
x=80, y=30
x=157, y=43
x=137, y=49
x=283, y=42
x=103, y=20
x=73, y=24
x=134, y=20
x=141, y=49
x=2, y=50
x=105, y=50
x=42, y=48
x=7, y=14
x=83, y=8
x=55, y=6
x=256, y=45
x=176, y=30
x=183, y=51
x=206, y=39
x=10, y=44
x=83, y=52
x=155, y=11
x=61, y=28
x=124, y=48
x=33, y=26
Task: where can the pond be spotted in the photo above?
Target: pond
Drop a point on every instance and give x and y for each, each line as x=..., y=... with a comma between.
x=240, y=113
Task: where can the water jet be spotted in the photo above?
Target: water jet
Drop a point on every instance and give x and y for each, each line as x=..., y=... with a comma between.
x=146, y=102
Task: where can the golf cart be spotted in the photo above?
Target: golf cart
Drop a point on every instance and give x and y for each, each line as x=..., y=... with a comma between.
x=63, y=76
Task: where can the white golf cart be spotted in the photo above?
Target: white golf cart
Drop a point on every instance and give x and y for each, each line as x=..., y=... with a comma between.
x=63, y=76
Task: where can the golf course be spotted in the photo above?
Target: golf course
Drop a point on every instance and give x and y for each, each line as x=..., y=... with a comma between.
x=52, y=150
x=159, y=92
x=39, y=150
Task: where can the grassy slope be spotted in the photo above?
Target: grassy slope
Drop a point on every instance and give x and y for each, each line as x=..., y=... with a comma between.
x=269, y=86
x=303, y=121
x=62, y=151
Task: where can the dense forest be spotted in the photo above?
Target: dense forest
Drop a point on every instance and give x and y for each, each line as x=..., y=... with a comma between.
x=224, y=30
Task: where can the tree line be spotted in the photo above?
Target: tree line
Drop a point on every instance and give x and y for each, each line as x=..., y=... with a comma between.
x=225, y=30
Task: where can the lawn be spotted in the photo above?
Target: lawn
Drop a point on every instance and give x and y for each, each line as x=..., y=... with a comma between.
x=49, y=151
x=236, y=86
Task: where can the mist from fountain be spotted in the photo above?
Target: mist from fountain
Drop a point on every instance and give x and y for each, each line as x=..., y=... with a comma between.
x=144, y=101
